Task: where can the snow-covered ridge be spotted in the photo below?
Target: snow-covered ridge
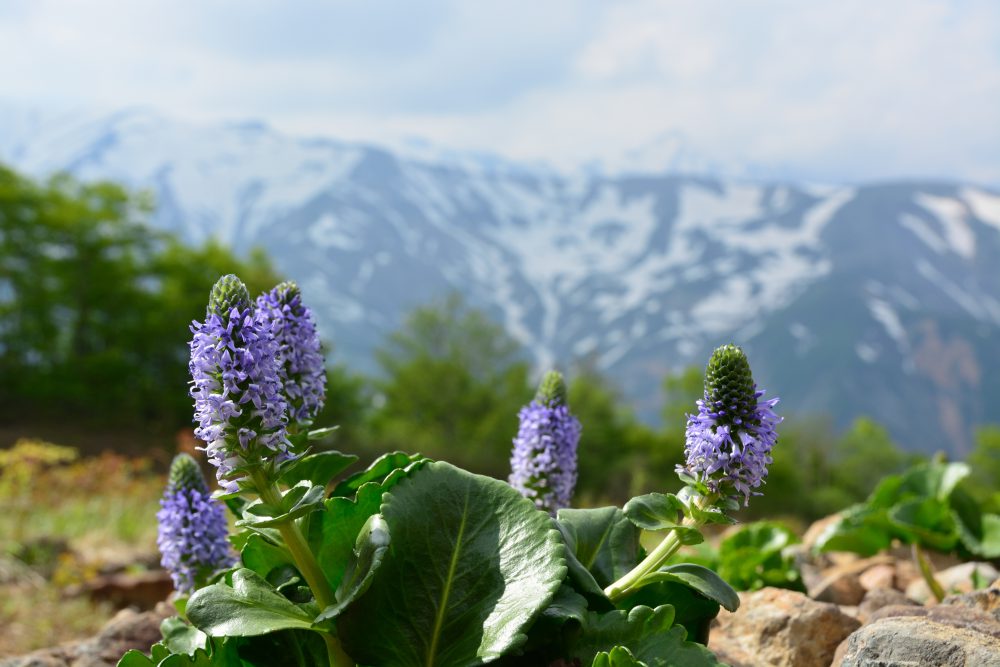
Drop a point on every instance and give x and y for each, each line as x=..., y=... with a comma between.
x=643, y=272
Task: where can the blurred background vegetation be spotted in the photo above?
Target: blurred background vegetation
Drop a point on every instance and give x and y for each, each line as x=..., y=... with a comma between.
x=94, y=313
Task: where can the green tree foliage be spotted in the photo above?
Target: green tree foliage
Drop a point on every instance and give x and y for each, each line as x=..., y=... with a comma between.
x=453, y=381
x=984, y=482
x=95, y=305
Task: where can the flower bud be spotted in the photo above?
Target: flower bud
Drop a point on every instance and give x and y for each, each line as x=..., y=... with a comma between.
x=228, y=292
x=236, y=386
x=728, y=442
x=192, y=535
x=543, y=461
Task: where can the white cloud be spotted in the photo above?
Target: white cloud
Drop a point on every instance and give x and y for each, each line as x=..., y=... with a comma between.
x=846, y=90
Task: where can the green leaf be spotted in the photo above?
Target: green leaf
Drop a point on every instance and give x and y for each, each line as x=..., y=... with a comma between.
x=603, y=540
x=928, y=521
x=373, y=542
x=692, y=610
x=859, y=529
x=263, y=557
x=181, y=637
x=322, y=433
x=619, y=656
x=471, y=565
x=754, y=556
x=655, y=511
x=699, y=578
x=297, y=501
x=318, y=468
x=250, y=607
x=380, y=468
x=134, y=658
x=646, y=632
x=333, y=533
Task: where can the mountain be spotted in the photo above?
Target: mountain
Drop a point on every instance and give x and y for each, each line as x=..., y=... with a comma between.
x=879, y=299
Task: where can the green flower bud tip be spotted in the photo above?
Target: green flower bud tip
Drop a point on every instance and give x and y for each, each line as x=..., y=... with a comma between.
x=729, y=387
x=552, y=390
x=286, y=291
x=185, y=474
x=228, y=292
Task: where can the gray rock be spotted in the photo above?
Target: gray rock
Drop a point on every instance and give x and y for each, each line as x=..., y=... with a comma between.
x=987, y=601
x=917, y=641
x=878, y=598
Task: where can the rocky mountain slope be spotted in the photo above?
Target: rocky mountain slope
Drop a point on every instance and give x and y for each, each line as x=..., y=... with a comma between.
x=879, y=299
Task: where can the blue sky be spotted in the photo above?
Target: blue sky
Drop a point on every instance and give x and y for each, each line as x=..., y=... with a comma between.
x=835, y=90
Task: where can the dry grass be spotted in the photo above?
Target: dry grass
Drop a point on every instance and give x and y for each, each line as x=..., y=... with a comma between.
x=63, y=520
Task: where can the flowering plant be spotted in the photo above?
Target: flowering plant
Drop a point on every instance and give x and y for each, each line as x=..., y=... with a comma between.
x=416, y=562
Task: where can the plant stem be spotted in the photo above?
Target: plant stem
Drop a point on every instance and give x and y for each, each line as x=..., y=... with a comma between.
x=308, y=566
x=656, y=558
x=927, y=571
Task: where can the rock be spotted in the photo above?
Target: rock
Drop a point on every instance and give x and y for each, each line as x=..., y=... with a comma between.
x=843, y=588
x=956, y=617
x=841, y=582
x=780, y=628
x=878, y=576
x=957, y=579
x=127, y=630
x=877, y=598
x=921, y=636
x=987, y=601
x=143, y=590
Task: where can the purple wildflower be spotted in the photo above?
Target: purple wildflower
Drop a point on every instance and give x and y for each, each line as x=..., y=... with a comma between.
x=728, y=443
x=236, y=385
x=303, y=369
x=192, y=528
x=543, y=462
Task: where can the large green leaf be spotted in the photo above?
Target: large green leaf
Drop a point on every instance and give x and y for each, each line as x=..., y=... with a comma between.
x=604, y=540
x=471, y=565
x=649, y=634
x=250, y=607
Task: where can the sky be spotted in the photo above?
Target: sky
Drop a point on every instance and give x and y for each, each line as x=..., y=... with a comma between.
x=841, y=90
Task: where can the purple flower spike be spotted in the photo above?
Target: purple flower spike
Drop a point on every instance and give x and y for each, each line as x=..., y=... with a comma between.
x=728, y=443
x=543, y=462
x=236, y=385
x=303, y=369
x=192, y=528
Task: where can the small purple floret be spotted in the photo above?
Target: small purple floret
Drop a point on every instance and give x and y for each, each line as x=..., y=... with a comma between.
x=192, y=536
x=303, y=368
x=543, y=462
x=737, y=455
x=237, y=391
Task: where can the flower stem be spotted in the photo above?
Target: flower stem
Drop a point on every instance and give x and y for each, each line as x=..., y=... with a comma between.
x=309, y=567
x=656, y=558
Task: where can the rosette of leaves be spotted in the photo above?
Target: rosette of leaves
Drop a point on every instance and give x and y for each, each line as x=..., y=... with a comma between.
x=925, y=506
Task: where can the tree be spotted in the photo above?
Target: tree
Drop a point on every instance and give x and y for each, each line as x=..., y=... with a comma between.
x=452, y=384
x=95, y=305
